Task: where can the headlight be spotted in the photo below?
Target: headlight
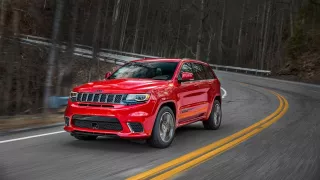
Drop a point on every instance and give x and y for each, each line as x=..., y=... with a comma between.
x=132, y=98
x=73, y=96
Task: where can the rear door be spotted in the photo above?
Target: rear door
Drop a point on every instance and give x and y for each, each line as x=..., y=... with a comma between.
x=213, y=86
x=202, y=89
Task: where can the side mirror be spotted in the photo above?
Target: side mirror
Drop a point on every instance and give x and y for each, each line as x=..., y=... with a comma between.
x=186, y=76
x=108, y=74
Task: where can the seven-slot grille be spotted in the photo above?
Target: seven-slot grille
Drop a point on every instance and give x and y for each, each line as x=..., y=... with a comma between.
x=101, y=98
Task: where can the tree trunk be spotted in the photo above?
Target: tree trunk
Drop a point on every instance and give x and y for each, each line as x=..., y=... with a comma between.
x=68, y=57
x=96, y=40
x=156, y=33
x=256, y=40
x=266, y=31
x=124, y=24
x=179, y=30
x=239, y=47
x=145, y=30
x=220, y=41
x=105, y=22
x=199, y=42
x=188, y=40
x=17, y=60
x=85, y=23
x=3, y=15
x=261, y=42
x=52, y=55
x=291, y=18
x=211, y=38
x=115, y=18
x=137, y=30
x=280, y=40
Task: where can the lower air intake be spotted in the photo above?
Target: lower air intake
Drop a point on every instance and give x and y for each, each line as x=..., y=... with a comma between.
x=135, y=127
x=96, y=122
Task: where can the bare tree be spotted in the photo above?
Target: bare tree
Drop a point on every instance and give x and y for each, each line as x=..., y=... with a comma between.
x=220, y=41
x=115, y=18
x=188, y=40
x=3, y=15
x=212, y=36
x=124, y=23
x=291, y=18
x=17, y=59
x=65, y=64
x=96, y=41
x=3, y=12
x=200, y=33
x=240, y=33
x=137, y=29
x=177, y=52
x=145, y=28
x=53, y=53
x=266, y=31
x=105, y=22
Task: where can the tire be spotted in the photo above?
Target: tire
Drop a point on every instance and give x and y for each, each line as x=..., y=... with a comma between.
x=85, y=138
x=164, y=129
x=214, y=122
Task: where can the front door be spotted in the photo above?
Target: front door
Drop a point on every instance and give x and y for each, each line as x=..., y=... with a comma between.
x=189, y=97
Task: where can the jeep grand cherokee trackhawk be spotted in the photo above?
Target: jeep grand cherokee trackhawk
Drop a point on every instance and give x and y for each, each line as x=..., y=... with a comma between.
x=146, y=99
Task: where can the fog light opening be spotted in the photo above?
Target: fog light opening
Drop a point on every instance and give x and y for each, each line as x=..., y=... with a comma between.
x=66, y=121
x=135, y=127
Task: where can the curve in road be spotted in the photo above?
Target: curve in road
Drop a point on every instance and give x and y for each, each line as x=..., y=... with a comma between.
x=204, y=154
x=288, y=149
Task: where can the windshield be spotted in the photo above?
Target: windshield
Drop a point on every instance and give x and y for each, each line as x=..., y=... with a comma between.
x=146, y=70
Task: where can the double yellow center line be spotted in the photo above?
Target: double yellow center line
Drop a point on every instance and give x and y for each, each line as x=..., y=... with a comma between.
x=187, y=161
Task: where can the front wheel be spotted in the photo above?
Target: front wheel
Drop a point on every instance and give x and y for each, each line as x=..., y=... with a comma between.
x=214, y=121
x=164, y=129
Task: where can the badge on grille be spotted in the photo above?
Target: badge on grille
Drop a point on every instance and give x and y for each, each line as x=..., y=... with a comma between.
x=99, y=91
x=95, y=125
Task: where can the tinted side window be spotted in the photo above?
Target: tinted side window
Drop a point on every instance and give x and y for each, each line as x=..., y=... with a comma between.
x=209, y=72
x=199, y=72
x=186, y=67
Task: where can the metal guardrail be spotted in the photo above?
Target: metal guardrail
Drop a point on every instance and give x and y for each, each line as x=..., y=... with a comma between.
x=86, y=51
x=242, y=70
x=121, y=57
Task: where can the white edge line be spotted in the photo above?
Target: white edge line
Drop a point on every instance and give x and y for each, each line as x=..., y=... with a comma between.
x=224, y=93
x=30, y=137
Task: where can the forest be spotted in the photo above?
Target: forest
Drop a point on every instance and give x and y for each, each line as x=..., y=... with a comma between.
x=278, y=35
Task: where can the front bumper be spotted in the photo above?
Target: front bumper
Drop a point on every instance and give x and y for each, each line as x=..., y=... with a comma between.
x=143, y=114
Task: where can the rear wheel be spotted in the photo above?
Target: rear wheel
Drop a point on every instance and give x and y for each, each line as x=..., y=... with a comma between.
x=85, y=138
x=214, y=121
x=163, y=129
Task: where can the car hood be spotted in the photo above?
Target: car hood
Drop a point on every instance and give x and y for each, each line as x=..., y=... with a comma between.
x=121, y=86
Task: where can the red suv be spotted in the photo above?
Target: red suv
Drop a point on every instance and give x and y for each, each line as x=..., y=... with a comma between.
x=146, y=99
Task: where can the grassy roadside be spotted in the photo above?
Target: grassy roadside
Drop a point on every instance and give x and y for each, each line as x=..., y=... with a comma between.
x=28, y=121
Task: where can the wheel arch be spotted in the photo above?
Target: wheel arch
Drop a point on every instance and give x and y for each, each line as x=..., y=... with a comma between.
x=171, y=105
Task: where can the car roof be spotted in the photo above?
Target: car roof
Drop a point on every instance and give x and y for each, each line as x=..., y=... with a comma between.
x=169, y=60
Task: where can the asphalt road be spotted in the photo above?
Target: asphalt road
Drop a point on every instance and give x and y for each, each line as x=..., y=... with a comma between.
x=288, y=149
